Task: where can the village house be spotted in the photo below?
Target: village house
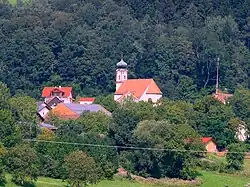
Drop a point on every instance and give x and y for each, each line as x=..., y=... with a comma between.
x=62, y=93
x=210, y=144
x=222, y=97
x=86, y=100
x=58, y=101
x=42, y=110
x=46, y=106
x=67, y=111
x=135, y=89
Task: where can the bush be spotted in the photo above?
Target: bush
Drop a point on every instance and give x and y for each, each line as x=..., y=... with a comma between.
x=235, y=160
x=210, y=165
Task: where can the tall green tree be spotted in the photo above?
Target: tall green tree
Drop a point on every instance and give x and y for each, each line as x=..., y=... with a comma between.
x=125, y=119
x=2, y=174
x=165, y=163
x=4, y=96
x=24, y=109
x=107, y=101
x=241, y=105
x=22, y=163
x=9, y=131
x=82, y=169
x=212, y=118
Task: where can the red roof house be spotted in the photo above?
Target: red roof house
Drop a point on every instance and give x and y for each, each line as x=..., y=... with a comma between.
x=63, y=112
x=222, y=97
x=209, y=144
x=67, y=111
x=86, y=100
x=63, y=93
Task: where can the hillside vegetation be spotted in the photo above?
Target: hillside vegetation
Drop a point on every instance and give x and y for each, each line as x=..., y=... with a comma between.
x=78, y=43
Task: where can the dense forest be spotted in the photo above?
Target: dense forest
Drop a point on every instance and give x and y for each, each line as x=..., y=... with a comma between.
x=79, y=42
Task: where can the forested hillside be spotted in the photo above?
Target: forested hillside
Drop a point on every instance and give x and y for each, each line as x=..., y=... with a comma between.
x=79, y=42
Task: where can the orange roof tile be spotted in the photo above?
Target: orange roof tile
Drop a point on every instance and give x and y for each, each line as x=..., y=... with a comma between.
x=63, y=112
x=138, y=86
x=47, y=91
x=206, y=139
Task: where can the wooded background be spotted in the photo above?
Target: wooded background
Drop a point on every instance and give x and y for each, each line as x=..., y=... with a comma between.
x=79, y=42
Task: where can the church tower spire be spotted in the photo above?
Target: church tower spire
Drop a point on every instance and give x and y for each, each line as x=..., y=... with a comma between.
x=121, y=73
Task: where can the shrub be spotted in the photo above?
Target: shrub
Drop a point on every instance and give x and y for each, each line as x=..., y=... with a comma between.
x=235, y=159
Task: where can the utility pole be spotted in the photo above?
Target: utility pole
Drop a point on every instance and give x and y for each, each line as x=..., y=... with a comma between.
x=217, y=76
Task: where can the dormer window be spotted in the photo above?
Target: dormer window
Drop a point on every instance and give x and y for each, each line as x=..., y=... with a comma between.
x=57, y=93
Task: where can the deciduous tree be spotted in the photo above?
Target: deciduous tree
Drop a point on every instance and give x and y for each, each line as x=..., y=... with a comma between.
x=82, y=169
x=22, y=163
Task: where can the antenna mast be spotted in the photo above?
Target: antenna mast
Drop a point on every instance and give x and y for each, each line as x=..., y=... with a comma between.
x=217, y=76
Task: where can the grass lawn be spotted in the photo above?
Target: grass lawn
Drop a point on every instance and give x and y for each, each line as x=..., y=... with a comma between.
x=239, y=179
x=41, y=182
x=123, y=183
x=209, y=179
x=213, y=179
x=48, y=182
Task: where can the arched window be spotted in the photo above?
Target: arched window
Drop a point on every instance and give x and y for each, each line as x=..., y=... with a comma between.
x=119, y=77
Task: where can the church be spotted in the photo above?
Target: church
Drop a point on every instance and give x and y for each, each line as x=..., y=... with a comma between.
x=135, y=89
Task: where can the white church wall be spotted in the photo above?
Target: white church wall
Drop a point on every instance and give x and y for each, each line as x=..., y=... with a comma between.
x=153, y=97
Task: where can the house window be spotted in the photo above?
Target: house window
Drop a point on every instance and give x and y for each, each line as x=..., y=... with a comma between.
x=119, y=77
x=56, y=94
x=124, y=76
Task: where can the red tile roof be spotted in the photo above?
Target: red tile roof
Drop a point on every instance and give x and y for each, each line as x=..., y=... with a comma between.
x=48, y=90
x=222, y=97
x=63, y=112
x=206, y=139
x=138, y=86
x=87, y=99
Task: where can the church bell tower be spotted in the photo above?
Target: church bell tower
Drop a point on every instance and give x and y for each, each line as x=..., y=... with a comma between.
x=121, y=73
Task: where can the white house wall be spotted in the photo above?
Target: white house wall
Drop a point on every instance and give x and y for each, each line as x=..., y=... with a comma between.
x=43, y=112
x=241, y=133
x=116, y=97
